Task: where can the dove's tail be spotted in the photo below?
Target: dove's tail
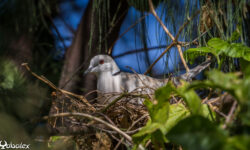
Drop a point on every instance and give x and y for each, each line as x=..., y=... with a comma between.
x=195, y=71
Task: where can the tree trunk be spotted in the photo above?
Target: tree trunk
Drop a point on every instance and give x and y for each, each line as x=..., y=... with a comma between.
x=97, y=30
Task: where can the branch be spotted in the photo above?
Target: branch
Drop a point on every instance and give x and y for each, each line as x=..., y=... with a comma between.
x=113, y=102
x=130, y=27
x=57, y=89
x=182, y=58
x=162, y=54
x=139, y=50
x=152, y=10
x=185, y=24
x=230, y=115
x=125, y=94
x=66, y=114
x=133, y=124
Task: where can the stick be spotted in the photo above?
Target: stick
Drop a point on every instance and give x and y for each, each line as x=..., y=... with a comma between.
x=92, y=118
x=162, y=54
x=230, y=115
x=152, y=10
x=130, y=27
x=57, y=89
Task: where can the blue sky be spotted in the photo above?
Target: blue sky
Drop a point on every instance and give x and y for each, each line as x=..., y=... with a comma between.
x=72, y=11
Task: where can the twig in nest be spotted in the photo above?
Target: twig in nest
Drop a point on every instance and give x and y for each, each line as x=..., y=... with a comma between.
x=66, y=114
x=133, y=124
x=230, y=115
x=113, y=102
x=122, y=95
x=42, y=78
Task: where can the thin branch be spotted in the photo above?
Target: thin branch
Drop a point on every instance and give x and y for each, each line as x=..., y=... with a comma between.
x=75, y=73
x=184, y=44
x=125, y=94
x=113, y=102
x=57, y=89
x=133, y=124
x=57, y=32
x=182, y=58
x=152, y=10
x=230, y=115
x=67, y=114
x=185, y=24
x=139, y=50
x=130, y=27
x=162, y=54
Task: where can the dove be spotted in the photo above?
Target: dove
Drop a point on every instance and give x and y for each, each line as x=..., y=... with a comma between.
x=110, y=79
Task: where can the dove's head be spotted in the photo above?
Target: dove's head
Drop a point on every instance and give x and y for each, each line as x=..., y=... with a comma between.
x=102, y=63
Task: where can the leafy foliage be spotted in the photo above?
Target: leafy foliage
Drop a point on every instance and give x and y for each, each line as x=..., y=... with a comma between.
x=17, y=94
x=20, y=104
x=197, y=133
x=192, y=124
x=165, y=116
x=220, y=48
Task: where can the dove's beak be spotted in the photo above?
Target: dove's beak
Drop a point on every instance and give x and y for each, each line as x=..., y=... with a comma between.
x=88, y=71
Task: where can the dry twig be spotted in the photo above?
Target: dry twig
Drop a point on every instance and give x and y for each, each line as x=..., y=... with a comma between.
x=152, y=10
x=66, y=114
x=57, y=89
x=230, y=115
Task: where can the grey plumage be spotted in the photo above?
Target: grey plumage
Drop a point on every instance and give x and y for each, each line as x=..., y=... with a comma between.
x=111, y=80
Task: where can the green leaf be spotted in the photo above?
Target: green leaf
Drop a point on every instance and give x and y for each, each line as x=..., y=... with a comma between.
x=218, y=44
x=177, y=112
x=207, y=112
x=192, y=53
x=9, y=76
x=245, y=101
x=190, y=97
x=200, y=50
x=235, y=36
x=235, y=50
x=247, y=54
x=143, y=134
x=159, y=110
x=241, y=142
x=197, y=133
x=245, y=67
x=229, y=82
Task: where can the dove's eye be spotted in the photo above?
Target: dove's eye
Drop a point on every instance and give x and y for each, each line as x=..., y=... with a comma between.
x=101, y=62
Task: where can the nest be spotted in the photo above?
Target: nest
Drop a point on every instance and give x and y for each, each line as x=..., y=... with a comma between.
x=122, y=114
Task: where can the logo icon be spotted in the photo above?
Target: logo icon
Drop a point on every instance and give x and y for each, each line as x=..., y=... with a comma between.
x=5, y=145
x=2, y=146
